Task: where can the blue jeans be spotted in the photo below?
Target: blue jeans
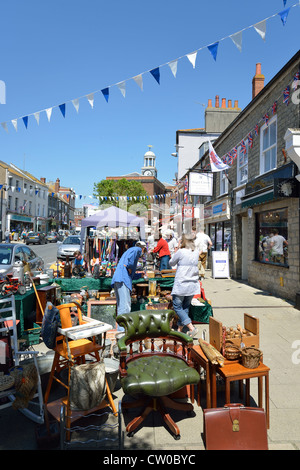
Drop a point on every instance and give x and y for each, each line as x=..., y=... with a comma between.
x=181, y=305
x=123, y=300
x=164, y=262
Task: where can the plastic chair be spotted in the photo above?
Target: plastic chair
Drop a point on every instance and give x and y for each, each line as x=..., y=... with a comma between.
x=8, y=323
x=154, y=374
x=67, y=353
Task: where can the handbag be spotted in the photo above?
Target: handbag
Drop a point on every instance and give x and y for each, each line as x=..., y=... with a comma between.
x=235, y=427
x=87, y=385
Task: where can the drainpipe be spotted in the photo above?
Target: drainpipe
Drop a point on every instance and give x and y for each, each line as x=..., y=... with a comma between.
x=292, y=146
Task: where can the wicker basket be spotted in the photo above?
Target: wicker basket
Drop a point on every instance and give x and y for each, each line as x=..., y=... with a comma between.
x=232, y=352
x=6, y=381
x=251, y=357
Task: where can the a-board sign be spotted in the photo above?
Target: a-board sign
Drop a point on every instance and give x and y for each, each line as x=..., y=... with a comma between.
x=220, y=264
x=103, y=310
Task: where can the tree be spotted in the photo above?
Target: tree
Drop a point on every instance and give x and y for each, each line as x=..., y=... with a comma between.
x=106, y=189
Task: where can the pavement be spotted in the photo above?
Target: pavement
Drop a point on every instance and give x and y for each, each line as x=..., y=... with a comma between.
x=279, y=323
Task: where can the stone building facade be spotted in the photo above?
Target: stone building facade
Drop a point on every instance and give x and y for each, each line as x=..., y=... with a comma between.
x=259, y=192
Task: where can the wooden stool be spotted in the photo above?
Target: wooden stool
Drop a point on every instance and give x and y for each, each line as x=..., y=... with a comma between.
x=200, y=360
x=236, y=371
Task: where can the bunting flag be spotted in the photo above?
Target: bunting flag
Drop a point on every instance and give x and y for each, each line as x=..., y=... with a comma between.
x=283, y=15
x=156, y=74
x=274, y=107
x=4, y=125
x=286, y=95
x=250, y=140
x=213, y=49
x=266, y=119
x=243, y=147
x=215, y=162
x=256, y=130
x=186, y=191
x=236, y=38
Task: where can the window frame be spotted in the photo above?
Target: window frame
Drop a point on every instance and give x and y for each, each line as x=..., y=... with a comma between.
x=240, y=167
x=262, y=165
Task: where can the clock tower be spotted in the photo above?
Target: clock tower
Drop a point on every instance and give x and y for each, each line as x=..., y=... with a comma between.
x=149, y=168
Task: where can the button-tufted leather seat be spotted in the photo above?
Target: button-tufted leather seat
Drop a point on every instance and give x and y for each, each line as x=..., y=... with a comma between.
x=155, y=373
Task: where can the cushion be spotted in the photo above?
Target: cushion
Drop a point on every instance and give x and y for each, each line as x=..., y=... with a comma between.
x=158, y=376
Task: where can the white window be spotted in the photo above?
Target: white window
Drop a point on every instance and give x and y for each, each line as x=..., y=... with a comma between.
x=223, y=183
x=242, y=164
x=268, y=146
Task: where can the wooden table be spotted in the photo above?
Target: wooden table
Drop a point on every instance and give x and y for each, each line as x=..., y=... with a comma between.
x=200, y=360
x=236, y=371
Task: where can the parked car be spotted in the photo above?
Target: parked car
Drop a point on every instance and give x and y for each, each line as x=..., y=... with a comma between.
x=68, y=247
x=53, y=237
x=12, y=254
x=35, y=238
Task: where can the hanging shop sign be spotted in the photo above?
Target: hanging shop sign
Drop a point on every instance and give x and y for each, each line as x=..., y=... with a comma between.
x=220, y=264
x=188, y=212
x=200, y=184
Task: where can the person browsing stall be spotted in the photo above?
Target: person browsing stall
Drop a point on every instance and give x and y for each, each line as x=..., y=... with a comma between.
x=123, y=276
x=162, y=248
x=186, y=282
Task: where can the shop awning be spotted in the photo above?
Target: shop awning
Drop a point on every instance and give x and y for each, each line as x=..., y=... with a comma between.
x=249, y=201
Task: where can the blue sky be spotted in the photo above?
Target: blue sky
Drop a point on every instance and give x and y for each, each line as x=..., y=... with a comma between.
x=55, y=51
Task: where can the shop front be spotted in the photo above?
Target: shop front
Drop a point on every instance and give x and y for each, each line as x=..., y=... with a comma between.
x=16, y=222
x=218, y=226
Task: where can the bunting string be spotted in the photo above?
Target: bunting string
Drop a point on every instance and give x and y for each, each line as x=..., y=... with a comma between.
x=236, y=38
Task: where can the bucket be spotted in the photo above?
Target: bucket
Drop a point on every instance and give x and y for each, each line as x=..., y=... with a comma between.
x=112, y=371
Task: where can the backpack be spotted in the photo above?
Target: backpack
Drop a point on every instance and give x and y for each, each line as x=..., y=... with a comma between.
x=51, y=321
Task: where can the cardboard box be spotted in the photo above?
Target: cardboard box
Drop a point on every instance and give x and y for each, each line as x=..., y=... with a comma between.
x=251, y=325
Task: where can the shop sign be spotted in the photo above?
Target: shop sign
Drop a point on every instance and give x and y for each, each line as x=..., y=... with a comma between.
x=20, y=218
x=187, y=212
x=200, y=184
x=219, y=210
x=220, y=264
x=285, y=187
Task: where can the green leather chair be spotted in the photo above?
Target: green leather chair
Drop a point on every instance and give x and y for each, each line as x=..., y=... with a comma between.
x=158, y=367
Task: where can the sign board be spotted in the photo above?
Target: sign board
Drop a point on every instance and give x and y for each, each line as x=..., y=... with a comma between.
x=187, y=212
x=200, y=184
x=220, y=264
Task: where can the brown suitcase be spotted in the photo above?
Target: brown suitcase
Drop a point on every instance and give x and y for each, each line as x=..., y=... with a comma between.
x=235, y=427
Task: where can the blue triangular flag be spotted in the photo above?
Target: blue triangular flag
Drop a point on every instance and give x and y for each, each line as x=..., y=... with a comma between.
x=156, y=74
x=284, y=3
x=25, y=120
x=213, y=49
x=283, y=15
x=105, y=92
x=62, y=108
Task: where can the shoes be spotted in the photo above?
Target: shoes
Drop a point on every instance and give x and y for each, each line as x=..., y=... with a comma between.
x=192, y=332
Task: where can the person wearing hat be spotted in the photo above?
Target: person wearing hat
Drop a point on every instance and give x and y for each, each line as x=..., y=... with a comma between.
x=186, y=282
x=122, y=278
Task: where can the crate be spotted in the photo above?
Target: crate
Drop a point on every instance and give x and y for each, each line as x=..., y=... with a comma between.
x=251, y=325
x=32, y=335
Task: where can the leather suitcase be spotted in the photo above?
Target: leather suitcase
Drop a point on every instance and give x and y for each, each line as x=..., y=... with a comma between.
x=235, y=427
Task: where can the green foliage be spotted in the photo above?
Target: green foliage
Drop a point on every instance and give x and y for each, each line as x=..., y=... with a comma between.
x=116, y=188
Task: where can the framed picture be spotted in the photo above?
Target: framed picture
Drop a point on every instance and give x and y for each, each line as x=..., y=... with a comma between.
x=103, y=310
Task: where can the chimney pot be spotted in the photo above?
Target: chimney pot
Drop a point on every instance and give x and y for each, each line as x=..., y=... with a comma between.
x=229, y=104
x=236, y=103
x=217, y=101
x=209, y=103
x=223, y=102
x=43, y=180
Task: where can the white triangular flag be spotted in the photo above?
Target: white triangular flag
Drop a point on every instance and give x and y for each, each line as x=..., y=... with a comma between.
x=37, y=117
x=122, y=88
x=237, y=40
x=139, y=80
x=4, y=125
x=215, y=161
x=260, y=28
x=15, y=123
x=192, y=58
x=49, y=112
x=76, y=104
x=90, y=99
x=173, y=67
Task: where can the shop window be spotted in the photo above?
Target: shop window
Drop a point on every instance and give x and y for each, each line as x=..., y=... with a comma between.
x=272, y=237
x=242, y=164
x=268, y=146
x=220, y=234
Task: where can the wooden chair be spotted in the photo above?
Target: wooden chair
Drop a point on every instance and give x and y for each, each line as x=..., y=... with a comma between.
x=67, y=353
x=160, y=366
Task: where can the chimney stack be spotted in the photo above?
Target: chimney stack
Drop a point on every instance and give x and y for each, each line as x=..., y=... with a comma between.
x=43, y=180
x=258, y=81
x=57, y=185
x=217, y=101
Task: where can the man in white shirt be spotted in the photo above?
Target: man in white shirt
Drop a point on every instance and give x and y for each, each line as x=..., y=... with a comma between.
x=172, y=242
x=277, y=242
x=203, y=243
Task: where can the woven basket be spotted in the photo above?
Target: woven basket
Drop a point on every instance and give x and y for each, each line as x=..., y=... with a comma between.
x=6, y=381
x=232, y=352
x=251, y=357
